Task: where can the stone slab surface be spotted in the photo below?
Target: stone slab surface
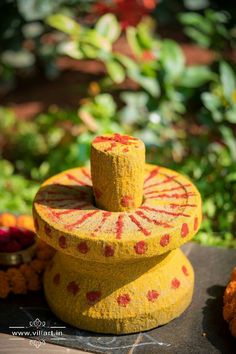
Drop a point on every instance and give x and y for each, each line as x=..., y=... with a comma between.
x=200, y=330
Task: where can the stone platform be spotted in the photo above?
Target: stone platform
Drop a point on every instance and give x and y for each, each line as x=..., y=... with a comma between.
x=200, y=330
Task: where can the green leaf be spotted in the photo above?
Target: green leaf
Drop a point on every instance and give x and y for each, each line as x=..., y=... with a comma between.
x=200, y=38
x=172, y=59
x=134, y=44
x=229, y=140
x=230, y=116
x=116, y=71
x=195, y=76
x=108, y=26
x=227, y=78
x=71, y=49
x=89, y=51
x=94, y=38
x=20, y=59
x=150, y=84
x=210, y=101
x=65, y=24
x=37, y=9
x=128, y=63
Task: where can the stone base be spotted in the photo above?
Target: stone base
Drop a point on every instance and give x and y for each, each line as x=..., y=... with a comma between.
x=119, y=298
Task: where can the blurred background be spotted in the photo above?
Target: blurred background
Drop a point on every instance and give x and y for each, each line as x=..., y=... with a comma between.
x=163, y=71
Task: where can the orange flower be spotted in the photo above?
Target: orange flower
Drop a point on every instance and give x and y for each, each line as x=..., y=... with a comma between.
x=38, y=265
x=229, y=309
x=7, y=219
x=25, y=221
x=17, y=281
x=4, y=288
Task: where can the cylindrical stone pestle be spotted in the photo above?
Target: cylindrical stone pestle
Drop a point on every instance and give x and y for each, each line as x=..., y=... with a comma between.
x=117, y=169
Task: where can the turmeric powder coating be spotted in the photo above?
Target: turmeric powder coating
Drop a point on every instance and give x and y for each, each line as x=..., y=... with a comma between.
x=126, y=213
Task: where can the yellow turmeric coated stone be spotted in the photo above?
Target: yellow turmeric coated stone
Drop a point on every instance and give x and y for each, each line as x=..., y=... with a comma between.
x=117, y=229
x=119, y=298
x=121, y=160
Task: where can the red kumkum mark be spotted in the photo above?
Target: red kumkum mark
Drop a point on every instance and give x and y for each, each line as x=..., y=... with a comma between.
x=175, y=283
x=141, y=247
x=75, y=179
x=83, y=247
x=139, y=225
x=47, y=230
x=152, y=295
x=152, y=174
x=85, y=173
x=125, y=150
x=117, y=138
x=82, y=219
x=167, y=180
x=105, y=216
x=127, y=201
x=185, y=271
x=195, y=224
x=173, y=205
x=93, y=296
x=108, y=251
x=119, y=226
x=164, y=241
x=123, y=300
x=62, y=242
x=169, y=190
x=175, y=195
x=111, y=147
x=164, y=211
x=154, y=221
x=184, y=230
x=56, y=279
x=73, y=288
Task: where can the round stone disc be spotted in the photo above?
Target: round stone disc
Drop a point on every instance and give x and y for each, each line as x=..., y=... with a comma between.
x=122, y=298
x=66, y=217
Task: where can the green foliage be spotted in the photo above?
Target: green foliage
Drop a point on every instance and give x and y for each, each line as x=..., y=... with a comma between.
x=208, y=30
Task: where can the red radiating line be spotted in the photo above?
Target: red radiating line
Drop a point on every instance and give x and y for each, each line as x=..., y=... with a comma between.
x=119, y=226
x=167, y=180
x=169, y=190
x=138, y=224
x=86, y=174
x=105, y=216
x=173, y=205
x=152, y=174
x=73, y=178
x=175, y=196
x=156, y=222
x=65, y=212
x=84, y=217
x=164, y=211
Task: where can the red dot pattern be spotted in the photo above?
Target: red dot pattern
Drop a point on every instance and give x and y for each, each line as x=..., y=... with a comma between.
x=185, y=271
x=83, y=247
x=184, y=230
x=62, y=242
x=141, y=247
x=175, y=283
x=123, y=300
x=73, y=288
x=93, y=296
x=108, y=251
x=152, y=295
x=164, y=241
x=47, y=230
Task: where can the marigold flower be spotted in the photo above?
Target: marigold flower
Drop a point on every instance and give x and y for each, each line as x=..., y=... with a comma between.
x=4, y=288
